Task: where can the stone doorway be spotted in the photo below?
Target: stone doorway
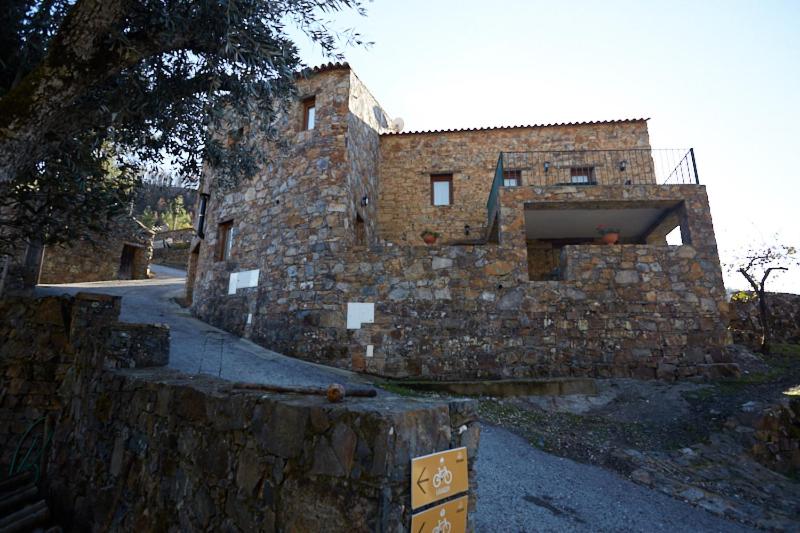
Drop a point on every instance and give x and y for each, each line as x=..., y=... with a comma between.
x=126, y=261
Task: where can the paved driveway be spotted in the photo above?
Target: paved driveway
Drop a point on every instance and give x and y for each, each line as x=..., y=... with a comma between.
x=199, y=348
x=520, y=488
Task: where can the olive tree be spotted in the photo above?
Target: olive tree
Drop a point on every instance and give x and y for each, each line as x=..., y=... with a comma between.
x=756, y=265
x=86, y=85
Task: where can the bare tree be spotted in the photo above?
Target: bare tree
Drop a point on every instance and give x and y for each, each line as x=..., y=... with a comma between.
x=756, y=266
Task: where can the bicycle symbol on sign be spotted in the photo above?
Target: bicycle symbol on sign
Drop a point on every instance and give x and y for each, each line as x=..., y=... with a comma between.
x=442, y=475
x=443, y=526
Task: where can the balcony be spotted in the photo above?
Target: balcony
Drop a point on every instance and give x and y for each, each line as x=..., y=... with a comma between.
x=585, y=168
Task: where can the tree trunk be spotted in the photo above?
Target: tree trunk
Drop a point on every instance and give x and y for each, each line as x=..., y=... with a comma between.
x=763, y=318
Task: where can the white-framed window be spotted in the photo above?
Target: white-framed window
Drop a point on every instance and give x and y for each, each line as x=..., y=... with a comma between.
x=441, y=189
x=309, y=113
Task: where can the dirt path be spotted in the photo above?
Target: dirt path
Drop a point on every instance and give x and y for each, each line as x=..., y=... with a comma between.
x=522, y=489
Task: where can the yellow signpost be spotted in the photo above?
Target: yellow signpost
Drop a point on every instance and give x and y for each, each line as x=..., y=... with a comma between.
x=448, y=517
x=438, y=476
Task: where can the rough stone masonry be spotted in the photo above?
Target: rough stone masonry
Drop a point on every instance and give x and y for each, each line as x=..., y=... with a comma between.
x=335, y=219
x=141, y=447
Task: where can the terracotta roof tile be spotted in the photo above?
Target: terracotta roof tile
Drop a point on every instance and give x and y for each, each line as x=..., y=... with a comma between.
x=323, y=68
x=488, y=128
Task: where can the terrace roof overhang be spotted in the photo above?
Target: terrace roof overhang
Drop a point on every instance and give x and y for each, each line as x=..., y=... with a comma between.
x=579, y=220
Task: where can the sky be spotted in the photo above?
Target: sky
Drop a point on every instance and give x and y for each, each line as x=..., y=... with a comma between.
x=721, y=77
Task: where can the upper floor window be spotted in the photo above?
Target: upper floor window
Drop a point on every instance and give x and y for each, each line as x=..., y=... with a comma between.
x=582, y=174
x=309, y=113
x=226, y=234
x=441, y=189
x=512, y=178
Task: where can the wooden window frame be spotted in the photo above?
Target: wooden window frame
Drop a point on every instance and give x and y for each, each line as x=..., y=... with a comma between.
x=224, y=231
x=438, y=178
x=582, y=171
x=512, y=174
x=309, y=103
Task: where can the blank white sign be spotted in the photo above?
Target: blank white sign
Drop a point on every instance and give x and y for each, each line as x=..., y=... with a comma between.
x=242, y=280
x=359, y=313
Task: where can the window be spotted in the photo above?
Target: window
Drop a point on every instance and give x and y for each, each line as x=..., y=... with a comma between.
x=512, y=178
x=582, y=174
x=441, y=189
x=309, y=113
x=226, y=234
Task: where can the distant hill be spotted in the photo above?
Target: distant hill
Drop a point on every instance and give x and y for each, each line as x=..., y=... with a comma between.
x=154, y=197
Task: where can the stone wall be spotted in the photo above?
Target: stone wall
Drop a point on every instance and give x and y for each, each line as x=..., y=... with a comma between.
x=159, y=451
x=171, y=248
x=39, y=341
x=776, y=440
x=454, y=310
x=155, y=450
x=409, y=159
x=100, y=258
x=784, y=318
x=470, y=311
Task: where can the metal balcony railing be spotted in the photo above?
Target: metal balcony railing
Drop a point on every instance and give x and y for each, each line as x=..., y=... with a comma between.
x=638, y=166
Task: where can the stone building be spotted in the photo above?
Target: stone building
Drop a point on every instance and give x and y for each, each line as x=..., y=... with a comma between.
x=320, y=255
x=123, y=251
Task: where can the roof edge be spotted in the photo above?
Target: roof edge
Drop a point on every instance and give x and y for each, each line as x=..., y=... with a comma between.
x=319, y=69
x=521, y=126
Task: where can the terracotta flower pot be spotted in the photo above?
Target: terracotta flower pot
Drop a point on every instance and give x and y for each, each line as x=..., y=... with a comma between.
x=428, y=238
x=610, y=238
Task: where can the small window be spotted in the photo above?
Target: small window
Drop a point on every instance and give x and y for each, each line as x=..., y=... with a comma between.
x=512, y=178
x=582, y=174
x=309, y=113
x=226, y=235
x=441, y=189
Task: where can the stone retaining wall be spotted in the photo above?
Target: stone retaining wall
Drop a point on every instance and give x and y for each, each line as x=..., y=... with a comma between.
x=784, y=318
x=155, y=450
x=776, y=441
x=38, y=348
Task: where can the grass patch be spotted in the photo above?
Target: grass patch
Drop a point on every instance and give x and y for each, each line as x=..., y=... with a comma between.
x=396, y=388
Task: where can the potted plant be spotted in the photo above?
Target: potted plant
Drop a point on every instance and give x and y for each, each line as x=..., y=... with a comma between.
x=429, y=236
x=608, y=235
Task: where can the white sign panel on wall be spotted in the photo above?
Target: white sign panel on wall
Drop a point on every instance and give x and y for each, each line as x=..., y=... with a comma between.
x=359, y=313
x=242, y=280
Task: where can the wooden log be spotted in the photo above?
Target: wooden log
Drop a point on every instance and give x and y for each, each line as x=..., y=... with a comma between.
x=26, y=517
x=15, y=500
x=16, y=481
x=319, y=391
x=27, y=522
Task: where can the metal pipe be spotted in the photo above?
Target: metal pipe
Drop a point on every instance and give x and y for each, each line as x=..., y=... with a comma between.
x=694, y=165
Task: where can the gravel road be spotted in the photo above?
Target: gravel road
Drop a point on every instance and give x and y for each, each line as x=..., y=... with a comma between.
x=520, y=488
